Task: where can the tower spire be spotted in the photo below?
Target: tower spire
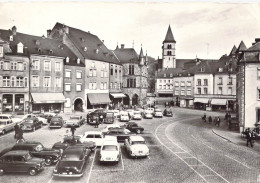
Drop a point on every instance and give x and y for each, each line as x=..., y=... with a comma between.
x=169, y=36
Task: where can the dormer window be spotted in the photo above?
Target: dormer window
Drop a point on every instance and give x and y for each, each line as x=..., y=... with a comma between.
x=78, y=61
x=67, y=59
x=220, y=69
x=51, y=51
x=93, y=64
x=20, y=47
x=97, y=51
x=11, y=38
x=85, y=48
x=202, y=69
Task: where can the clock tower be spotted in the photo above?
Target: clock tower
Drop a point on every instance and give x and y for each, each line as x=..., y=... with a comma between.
x=168, y=51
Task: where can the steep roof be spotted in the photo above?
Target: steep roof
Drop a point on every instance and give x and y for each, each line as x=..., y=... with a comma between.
x=38, y=45
x=233, y=51
x=89, y=45
x=169, y=36
x=255, y=47
x=126, y=55
x=241, y=47
x=169, y=72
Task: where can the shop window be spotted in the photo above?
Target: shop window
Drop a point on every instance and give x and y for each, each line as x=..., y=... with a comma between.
x=19, y=102
x=7, y=103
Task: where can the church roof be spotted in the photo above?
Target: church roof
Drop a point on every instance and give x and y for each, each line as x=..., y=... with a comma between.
x=241, y=47
x=233, y=51
x=169, y=36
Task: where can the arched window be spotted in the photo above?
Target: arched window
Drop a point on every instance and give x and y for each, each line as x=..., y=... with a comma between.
x=13, y=81
x=169, y=46
x=25, y=82
x=169, y=53
x=24, y=66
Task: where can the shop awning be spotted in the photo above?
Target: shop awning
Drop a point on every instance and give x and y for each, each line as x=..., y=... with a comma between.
x=201, y=100
x=218, y=101
x=117, y=95
x=43, y=98
x=98, y=98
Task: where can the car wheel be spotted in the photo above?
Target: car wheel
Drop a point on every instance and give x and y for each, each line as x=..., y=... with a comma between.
x=32, y=171
x=3, y=132
x=48, y=161
x=1, y=171
x=138, y=131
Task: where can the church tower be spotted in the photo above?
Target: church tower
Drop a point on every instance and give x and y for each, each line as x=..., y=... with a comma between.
x=168, y=51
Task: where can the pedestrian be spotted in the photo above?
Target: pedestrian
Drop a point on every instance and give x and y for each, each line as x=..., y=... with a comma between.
x=218, y=121
x=229, y=123
x=20, y=135
x=204, y=118
x=226, y=116
x=73, y=129
x=229, y=116
x=101, y=118
x=249, y=137
x=210, y=119
x=16, y=130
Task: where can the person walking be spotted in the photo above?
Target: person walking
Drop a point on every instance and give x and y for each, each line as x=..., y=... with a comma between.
x=210, y=119
x=73, y=129
x=16, y=130
x=218, y=121
x=204, y=118
x=226, y=116
x=101, y=118
x=20, y=135
x=249, y=137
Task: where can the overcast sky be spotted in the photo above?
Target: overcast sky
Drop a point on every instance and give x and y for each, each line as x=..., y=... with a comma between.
x=207, y=30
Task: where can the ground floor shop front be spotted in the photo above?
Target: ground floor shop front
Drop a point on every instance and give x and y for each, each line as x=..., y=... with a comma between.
x=16, y=103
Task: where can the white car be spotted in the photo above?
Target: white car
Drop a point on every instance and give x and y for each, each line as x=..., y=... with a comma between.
x=6, y=123
x=93, y=136
x=108, y=127
x=151, y=110
x=136, y=147
x=124, y=116
x=158, y=113
x=131, y=112
x=110, y=151
x=137, y=115
x=148, y=115
x=116, y=113
x=43, y=120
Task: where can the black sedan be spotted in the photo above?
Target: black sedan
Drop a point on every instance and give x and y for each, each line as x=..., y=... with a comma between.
x=70, y=141
x=72, y=163
x=30, y=124
x=56, y=122
x=120, y=133
x=167, y=112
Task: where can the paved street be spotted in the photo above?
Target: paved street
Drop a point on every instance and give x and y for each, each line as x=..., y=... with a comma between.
x=182, y=149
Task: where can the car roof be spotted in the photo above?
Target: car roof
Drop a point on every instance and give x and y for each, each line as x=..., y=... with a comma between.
x=110, y=142
x=93, y=132
x=71, y=137
x=136, y=138
x=73, y=150
x=17, y=152
x=28, y=143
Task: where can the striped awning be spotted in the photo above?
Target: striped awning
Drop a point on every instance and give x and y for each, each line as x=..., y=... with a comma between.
x=98, y=98
x=201, y=100
x=48, y=98
x=117, y=95
x=218, y=101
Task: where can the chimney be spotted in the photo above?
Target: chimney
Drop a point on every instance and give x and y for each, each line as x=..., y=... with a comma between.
x=48, y=33
x=122, y=46
x=78, y=61
x=14, y=30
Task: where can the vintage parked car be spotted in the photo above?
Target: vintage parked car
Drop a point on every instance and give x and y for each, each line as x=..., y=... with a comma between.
x=167, y=112
x=120, y=133
x=130, y=112
x=109, y=118
x=148, y=115
x=124, y=116
x=76, y=120
x=20, y=161
x=133, y=127
x=108, y=127
x=136, y=147
x=110, y=151
x=56, y=122
x=116, y=113
x=31, y=124
x=72, y=163
x=6, y=123
x=137, y=115
x=93, y=136
x=39, y=117
x=37, y=150
x=73, y=141
x=93, y=118
x=158, y=113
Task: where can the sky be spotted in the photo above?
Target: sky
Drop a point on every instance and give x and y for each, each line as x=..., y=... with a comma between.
x=206, y=30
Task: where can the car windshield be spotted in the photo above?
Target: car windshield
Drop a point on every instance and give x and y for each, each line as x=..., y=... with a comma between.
x=55, y=119
x=137, y=113
x=109, y=148
x=28, y=121
x=109, y=114
x=71, y=157
x=157, y=110
x=28, y=156
x=138, y=142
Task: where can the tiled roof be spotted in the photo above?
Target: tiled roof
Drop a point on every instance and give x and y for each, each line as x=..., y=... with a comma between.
x=241, y=47
x=168, y=72
x=38, y=45
x=255, y=47
x=89, y=45
x=126, y=55
x=252, y=54
x=169, y=36
x=233, y=51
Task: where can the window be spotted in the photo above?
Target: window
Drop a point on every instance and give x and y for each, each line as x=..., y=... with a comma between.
x=78, y=87
x=78, y=74
x=169, y=81
x=67, y=73
x=6, y=65
x=102, y=74
x=20, y=48
x=220, y=80
x=24, y=66
x=176, y=83
x=176, y=92
x=164, y=80
x=164, y=86
x=183, y=83
x=104, y=66
x=160, y=81
x=205, y=90
x=13, y=65
x=220, y=90
x=58, y=82
x=164, y=75
x=131, y=83
x=57, y=66
x=169, y=53
x=230, y=81
x=1, y=65
x=169, y=46
x=182, y=92
x=19, y=81
x=25, y=82
x=20, y=66
x=188, y=92
x=229, y=90
x=188, y=83
x=105, y=86
x=105, y=74
x=115, y=85
x=13, y=81
x=6, y=81
x=67, y=87
x=202, y=69
x=67, y=102
x=35, y=65
x=1, y=81
x=101, y=86
x=199, y=82
x=111, y=85
x=160, y=86
x=199, y=91
x=93, y=65
x=220, y=69
x=171, y=75
x=47, y=65
x=205, y=82
x=35, y=81
x=47, y=81
x=131, y=70
x=1, y=51
x=94, y=72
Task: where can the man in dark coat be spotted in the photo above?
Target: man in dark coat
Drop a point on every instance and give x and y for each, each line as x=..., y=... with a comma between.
x=210, y=119
x=16, y=130
x=20, y=135
x=218, y=122
x=73, y=129
x=249, y=137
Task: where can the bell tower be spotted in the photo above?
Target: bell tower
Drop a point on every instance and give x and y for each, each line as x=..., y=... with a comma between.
x=168, y=50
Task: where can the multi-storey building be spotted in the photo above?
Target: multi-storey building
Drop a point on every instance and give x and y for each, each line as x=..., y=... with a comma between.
x=97, y=59
x=134, y=75
x=248, y=88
